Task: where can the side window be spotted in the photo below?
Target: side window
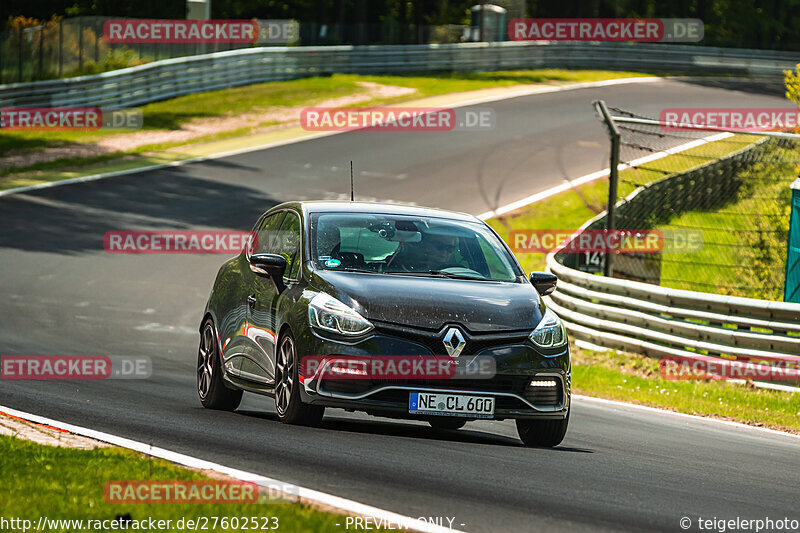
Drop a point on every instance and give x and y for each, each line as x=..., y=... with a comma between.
x=267, y=234
x=289, y=244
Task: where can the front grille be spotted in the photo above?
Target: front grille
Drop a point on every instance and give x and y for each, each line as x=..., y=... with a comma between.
x=545, y=396
x=357, y=386
x=496, y=384
x=433, y=340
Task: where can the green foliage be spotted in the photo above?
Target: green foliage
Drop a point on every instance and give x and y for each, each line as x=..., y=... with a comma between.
x=113, y=60
x=792, y=82
x=738, y=23
x=764, y=247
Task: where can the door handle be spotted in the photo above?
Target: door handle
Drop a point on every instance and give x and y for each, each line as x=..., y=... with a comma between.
x=251, y=299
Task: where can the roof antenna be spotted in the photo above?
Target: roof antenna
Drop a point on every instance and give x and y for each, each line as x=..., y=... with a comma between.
x=352, y=193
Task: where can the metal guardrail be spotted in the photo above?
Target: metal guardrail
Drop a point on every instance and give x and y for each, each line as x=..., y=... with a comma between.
x=619, y=313
x=174, y=77
x=663, y=322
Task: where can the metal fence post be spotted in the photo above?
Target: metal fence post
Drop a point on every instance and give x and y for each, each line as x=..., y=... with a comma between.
x=98, y=30
x=60, y=47
x=19, y=54
x=791, y=291
x=80, y=43
x=613, y=177
x=41, y=51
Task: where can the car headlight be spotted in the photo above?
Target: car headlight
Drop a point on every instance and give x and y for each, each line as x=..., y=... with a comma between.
x=550, y=333
x=329, y=314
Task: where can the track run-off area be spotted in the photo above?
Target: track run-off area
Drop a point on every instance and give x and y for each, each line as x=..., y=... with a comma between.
x=619, y=467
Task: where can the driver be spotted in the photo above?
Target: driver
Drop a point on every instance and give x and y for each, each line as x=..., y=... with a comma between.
x=433, y=252
x=441, y=251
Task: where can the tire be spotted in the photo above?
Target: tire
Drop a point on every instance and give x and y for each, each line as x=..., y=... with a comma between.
x=542, y=433
x=447, y=423
x=210, y=387
x=288, y=405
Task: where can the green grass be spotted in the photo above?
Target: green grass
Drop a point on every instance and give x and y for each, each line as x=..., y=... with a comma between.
x=174, y=113
x=569, y=210
x=66, y=483
x=565, y=211
x=744, y=251
x=635, y=378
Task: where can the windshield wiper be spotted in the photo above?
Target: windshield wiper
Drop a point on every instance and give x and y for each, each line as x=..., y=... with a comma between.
x=441, y=273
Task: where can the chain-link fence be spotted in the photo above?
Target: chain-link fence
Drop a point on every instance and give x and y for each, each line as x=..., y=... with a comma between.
x=75, y=46
x=720, y=199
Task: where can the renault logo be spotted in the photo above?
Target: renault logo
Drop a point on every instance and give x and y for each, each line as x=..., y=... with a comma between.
x=454, y=342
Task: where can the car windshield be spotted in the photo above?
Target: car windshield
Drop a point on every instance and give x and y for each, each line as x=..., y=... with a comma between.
x=409, y=245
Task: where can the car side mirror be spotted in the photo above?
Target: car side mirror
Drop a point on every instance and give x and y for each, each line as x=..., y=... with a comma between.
x=544, y=282
x=270, y=266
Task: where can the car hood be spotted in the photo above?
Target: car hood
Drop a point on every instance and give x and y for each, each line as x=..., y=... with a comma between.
x=430, y=303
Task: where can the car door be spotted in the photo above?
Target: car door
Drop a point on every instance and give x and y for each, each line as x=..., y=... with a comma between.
x=258, y=364
x=264, y=310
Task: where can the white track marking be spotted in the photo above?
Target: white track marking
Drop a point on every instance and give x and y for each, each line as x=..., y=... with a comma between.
x=567, y=185
x=292, y=491
x=738, y=425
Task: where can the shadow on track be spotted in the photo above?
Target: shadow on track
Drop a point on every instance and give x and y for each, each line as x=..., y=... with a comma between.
x=399, y=428
x=746, y=85
x=75, y=218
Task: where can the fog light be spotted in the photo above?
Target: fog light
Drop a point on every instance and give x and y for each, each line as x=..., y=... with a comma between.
x=543, y=383
x=347, y=368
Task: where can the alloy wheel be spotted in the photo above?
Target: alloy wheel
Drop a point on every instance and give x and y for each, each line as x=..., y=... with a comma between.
x=285, y=375
x=205, y=362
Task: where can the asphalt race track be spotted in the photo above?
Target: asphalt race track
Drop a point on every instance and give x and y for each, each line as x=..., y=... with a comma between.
x=619, y=468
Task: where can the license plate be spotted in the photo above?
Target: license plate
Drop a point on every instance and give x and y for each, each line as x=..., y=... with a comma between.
x=433, y=403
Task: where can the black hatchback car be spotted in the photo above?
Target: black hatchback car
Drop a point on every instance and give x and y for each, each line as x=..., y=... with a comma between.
x=393, y=310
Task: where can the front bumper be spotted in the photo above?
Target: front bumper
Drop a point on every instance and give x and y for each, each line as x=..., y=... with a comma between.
x=517, y=363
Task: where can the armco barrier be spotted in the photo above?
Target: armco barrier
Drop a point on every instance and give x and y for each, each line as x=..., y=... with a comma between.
x=174, y=77
x=664, y=322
